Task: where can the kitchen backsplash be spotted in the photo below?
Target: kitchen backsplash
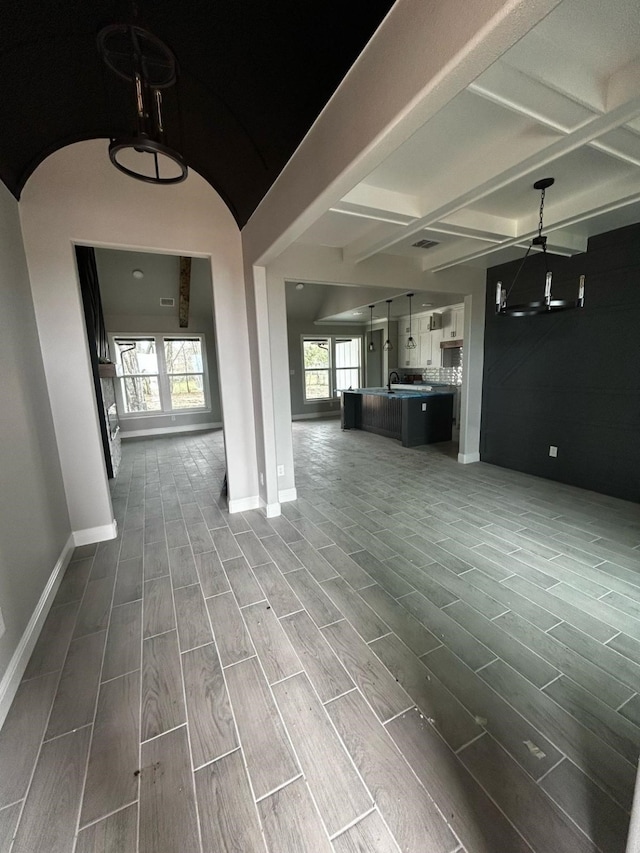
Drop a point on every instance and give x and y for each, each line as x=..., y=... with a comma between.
x=450, y=375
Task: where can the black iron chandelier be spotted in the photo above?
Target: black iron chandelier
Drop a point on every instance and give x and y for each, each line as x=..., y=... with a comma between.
x=387, y=344
x=140, y=58
x=548, y=304
x=411, y=343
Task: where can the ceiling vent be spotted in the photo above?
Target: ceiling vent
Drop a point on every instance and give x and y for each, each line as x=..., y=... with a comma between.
x=167, y=302
x=425, y=244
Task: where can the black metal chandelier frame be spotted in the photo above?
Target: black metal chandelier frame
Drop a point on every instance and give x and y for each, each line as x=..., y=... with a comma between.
x=137, y=56
x=548, y=304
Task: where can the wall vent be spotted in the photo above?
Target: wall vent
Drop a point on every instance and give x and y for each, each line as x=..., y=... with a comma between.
x=425, y=244
x=167, y=302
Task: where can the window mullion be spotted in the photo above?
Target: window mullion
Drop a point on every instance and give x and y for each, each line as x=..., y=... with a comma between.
x=163, y=377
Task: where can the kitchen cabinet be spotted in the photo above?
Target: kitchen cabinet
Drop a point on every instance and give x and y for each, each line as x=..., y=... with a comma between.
x=453, y=323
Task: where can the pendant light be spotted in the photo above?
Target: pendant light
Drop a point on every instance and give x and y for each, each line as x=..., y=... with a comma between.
x=387, y=344
x=371, y=344
x=411, y=344
x=140, y=58
x=547, y=304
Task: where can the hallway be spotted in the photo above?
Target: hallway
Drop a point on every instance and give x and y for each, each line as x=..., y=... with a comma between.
x=417, y=656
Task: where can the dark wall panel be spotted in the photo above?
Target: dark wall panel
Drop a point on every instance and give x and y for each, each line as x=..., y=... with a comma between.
x=570, y=379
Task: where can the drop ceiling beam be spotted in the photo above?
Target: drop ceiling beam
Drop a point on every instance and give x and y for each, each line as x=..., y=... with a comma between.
x=419, y=59
x=563, y=215
x=445, y=207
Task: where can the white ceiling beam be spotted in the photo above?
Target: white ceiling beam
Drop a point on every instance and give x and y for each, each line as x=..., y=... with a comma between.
x=419, y=59
x=480, y=224
x=522, y=95
x=444, y=207
x=365, y=196
x=565, y=214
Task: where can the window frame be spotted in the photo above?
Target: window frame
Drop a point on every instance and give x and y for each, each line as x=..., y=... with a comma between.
x=163, y=376
x=334, y=394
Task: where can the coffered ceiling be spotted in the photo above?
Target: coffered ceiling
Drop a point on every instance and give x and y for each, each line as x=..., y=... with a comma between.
x=563, y=102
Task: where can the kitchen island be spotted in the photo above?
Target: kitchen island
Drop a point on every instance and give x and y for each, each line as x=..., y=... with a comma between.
x=412, y=417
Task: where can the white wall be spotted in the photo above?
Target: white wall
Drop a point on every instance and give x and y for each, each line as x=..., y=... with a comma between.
x=76, y=196
x=34, y=523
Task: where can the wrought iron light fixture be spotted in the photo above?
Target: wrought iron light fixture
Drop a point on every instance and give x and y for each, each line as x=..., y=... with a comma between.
x=372, y=347
x=411, y=344
x=387, y=344
x=140, y=58
x=548, y=304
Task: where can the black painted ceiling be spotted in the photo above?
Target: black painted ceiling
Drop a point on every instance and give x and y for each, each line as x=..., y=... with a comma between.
x=253, y=76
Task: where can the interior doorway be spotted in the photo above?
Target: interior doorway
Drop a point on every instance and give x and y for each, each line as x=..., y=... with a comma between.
x=154, y=348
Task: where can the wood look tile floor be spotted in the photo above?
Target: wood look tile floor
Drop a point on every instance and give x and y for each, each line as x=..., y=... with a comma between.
x=417, y=656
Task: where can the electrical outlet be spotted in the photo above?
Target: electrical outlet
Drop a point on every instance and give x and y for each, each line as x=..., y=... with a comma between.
x=553, y=450
x=261, y=478
x=424, y=407
x=280, y=470
x=173, y=417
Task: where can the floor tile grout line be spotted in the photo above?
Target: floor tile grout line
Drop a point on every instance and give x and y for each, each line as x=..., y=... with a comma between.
x=234, y=718
x=353, y=823
x=216, y=759
x=95, y=706
x=106, y=816
x=184, y=699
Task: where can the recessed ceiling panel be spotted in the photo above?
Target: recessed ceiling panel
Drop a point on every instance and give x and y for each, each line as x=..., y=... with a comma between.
x=336, y=229
x=467, y=133
x=575, y=173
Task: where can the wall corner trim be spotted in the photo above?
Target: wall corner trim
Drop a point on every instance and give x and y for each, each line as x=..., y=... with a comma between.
x=467, y=458
x=12, y=677
x=95, y=534
x=286, y=495
x=244, y=504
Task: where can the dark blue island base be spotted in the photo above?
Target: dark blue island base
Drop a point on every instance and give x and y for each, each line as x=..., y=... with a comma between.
x=412, y=417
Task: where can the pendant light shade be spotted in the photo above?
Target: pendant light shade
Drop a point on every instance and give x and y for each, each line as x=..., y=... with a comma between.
x=387, y=344
x=372, y=347
x=411, y=344
x=140, y=58
x=548, y=304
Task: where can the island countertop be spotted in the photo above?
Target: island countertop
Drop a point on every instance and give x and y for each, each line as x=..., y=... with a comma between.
x=402, y=392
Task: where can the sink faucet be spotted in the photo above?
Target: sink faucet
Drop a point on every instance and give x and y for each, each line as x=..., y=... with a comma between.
x=397, y=375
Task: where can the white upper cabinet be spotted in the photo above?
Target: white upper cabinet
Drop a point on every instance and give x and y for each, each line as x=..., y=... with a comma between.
x=453, y=323
x=428, y=331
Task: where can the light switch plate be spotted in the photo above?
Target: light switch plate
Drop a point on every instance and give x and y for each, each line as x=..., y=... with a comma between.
x=553, y=450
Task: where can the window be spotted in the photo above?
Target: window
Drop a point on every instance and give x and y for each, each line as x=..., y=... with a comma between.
x=331, y=365
x=160, y=373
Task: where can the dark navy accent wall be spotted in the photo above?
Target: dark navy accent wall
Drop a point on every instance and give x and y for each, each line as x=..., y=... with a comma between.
x=570, y=379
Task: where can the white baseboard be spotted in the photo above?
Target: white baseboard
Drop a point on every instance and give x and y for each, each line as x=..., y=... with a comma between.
x=286, y=495
x=467, y=458
x=314, y=415
x=244, y=504
x=18, y=663
x=271, y=510
x=144, y=433
x=95, y=534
